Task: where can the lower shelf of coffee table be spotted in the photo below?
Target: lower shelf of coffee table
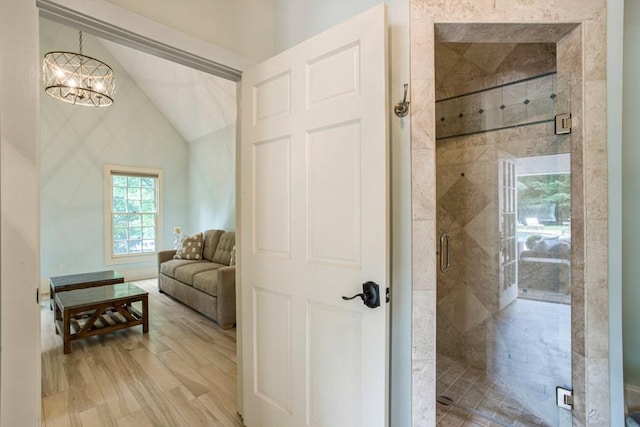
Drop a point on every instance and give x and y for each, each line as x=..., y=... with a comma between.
x=109, y=321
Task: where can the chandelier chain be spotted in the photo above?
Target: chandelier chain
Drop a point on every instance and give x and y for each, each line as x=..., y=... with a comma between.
x=80, y=37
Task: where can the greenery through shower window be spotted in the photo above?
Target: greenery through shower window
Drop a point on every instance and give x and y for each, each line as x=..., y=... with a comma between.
x=546, y=197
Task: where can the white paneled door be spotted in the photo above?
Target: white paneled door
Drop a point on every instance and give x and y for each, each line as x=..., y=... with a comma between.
x=315, y=227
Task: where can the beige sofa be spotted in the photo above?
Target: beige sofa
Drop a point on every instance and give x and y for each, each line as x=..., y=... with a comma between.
x=207, y=285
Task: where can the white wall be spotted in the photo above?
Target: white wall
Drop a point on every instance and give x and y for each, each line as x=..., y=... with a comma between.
x=76, y=143
x=631, y=197
x=19, y=225
x=241, y=26
x=297, y=20
x=212, y=192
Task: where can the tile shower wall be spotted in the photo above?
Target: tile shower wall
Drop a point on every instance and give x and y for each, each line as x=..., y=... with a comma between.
x=469, y=295
x=588, y=158
x=512, y=104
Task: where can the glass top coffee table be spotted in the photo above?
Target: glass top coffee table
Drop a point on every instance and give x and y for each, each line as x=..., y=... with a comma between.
x=71, y=282
x=83, y=313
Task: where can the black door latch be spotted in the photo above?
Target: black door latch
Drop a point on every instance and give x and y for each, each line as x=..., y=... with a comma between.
x=370, y=295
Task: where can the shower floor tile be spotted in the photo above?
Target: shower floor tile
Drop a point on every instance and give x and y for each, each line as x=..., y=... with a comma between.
x=529, y=359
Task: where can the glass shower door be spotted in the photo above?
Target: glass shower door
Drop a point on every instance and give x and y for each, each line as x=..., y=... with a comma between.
x=503, y=303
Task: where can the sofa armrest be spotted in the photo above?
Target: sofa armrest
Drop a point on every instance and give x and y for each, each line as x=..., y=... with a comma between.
x=226, y=295
x=165, y=256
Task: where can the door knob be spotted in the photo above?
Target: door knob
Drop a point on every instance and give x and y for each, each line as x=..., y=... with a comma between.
x=370, y=295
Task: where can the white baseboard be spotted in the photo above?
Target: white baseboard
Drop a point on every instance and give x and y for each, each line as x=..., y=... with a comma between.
x=632, y=398
x=130, y=275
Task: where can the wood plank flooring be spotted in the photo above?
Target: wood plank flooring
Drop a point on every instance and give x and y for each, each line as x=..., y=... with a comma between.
x=182, y=373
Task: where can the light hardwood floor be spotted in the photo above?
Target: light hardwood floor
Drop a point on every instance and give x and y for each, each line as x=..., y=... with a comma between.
x=182, y=373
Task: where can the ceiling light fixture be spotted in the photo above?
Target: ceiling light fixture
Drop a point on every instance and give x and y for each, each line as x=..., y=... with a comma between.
x=78, y=79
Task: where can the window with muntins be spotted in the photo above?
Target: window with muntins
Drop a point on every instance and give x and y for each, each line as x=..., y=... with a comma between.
x=134, y=201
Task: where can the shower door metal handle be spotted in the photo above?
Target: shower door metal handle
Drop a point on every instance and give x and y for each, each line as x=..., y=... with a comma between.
x=445, y=253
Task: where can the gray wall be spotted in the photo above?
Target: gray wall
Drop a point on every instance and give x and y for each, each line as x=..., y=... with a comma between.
x=212, y=190
x=77, y=141
x=199, y=176
x=631, y=195
x=615, y=18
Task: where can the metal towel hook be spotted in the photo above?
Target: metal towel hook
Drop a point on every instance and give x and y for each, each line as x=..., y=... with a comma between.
x=402, y=108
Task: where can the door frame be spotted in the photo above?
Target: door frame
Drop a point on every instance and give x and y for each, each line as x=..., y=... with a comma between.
x=113, y=23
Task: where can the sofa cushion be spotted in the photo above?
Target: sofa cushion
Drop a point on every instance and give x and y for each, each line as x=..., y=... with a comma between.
x=225, y=245
x=168, y=268
x=190, y=248
x=186, y=272
x=207, y=282
x=211, y=238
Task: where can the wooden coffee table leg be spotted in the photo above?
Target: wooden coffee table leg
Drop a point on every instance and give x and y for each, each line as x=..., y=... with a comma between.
x=66, y=334
x=57, y=316
x=145, y=314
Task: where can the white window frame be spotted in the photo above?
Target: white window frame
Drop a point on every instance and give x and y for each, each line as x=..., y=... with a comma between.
x=109, y=171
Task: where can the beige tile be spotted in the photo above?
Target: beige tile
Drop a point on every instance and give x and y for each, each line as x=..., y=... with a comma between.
x=464, y=310
x=423, y=113
x=422, y=50
x=117, y=395
x=578, y=320
x=477, y=54
x=596, y=270
x=185, y=372
x=98, y=416
x=192, y=412
x=54, y=379
x=182, y=350
x=137, y=419
x=595, y=31
x=595, y=190
x=55, y=410
x=446, y=58
x=225, y=416
x=540, y=88
x=579, y=374
x=424, y=255
x=155, y=370
x=423, y=402
x=222, y=385
x=597, y=322
x=595, y=99
x=598, y=391
x=515, y=94
x=423, y=183
x=423, y=319
x=211, y=352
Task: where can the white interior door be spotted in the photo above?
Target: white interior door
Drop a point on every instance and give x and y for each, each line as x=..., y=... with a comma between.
x=315, y=227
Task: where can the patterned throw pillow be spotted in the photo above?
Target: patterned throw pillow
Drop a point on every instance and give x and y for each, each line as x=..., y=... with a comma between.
x=190, y=248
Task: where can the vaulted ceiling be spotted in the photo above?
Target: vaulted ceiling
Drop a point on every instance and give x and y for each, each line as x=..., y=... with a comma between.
x=196, y=103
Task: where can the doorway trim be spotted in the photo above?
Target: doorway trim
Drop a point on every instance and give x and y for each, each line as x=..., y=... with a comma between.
x=121, y=26
x=590, y=362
